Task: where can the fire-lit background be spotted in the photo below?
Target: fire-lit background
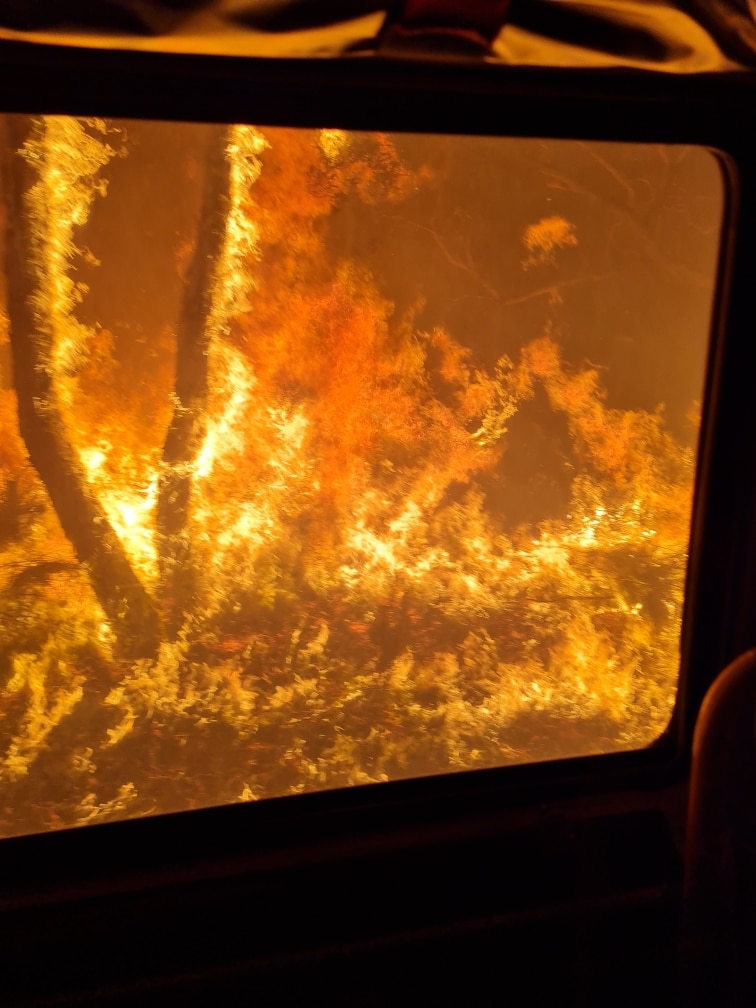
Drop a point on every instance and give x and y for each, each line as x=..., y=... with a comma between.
x=331, y=458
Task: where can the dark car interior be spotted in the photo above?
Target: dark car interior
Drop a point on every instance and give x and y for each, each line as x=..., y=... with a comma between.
x=599, y=874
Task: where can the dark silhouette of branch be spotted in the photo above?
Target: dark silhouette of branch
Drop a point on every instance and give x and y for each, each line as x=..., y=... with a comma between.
x=553, y=288
x=188, y=423
x=29, y=574
x=646, y=242
x=467, y=265
x=123, y=598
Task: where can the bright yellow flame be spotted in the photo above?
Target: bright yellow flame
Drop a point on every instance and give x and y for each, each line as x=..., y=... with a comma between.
x=131, y=515
x=332, y=142
x=241, y=242
x=233, y=383
x=68, y=156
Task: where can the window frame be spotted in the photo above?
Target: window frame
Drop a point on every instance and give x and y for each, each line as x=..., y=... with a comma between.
x=455, y=97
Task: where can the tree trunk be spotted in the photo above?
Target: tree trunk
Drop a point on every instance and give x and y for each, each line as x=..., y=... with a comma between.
x=189, y=421
x=123, y=598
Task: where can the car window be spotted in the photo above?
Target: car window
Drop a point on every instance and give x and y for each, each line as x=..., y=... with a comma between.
x=331, y=458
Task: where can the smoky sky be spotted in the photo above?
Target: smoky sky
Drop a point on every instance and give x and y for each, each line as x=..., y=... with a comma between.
x=633, y=297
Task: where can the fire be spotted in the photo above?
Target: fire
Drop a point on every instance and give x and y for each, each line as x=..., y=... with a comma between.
x=346, y=569
x=68, y=154
x=235, y=281
x=233, y=386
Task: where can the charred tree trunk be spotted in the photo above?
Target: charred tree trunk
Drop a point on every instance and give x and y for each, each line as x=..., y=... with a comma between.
x=188, y=424
x=122, y=596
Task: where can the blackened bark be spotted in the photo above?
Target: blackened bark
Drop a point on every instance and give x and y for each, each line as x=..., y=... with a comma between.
x=189, y=421
x=123, y=598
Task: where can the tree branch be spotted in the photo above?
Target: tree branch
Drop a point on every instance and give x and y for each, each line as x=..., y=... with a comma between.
x=648, y=245
x=123, y=598
x=189, y=419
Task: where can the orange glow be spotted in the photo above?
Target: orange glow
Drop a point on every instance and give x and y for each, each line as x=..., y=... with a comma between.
x=339, y=533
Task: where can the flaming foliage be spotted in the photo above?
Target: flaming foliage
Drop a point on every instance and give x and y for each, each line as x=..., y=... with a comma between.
x=362, y=610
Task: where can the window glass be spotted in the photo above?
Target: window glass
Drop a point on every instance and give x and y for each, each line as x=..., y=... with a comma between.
x=330, y=458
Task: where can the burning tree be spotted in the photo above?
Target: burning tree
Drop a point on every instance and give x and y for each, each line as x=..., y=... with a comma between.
x=45, y=197
x=281, y=564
